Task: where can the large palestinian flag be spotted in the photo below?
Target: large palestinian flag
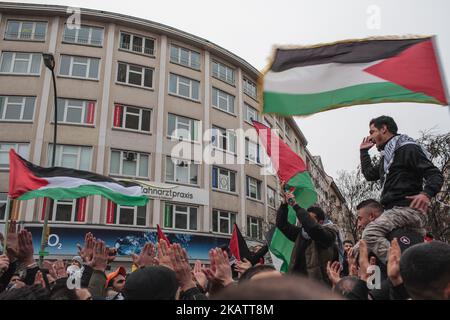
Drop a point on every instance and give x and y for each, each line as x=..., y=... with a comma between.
x=28, y=181
x=308, y=80
x=291, y=169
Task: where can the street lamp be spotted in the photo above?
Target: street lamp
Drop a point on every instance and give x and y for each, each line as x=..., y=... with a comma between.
x=49, y=61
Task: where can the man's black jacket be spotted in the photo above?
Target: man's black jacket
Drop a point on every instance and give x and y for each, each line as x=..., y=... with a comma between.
x=321, y=236
x=406, y=175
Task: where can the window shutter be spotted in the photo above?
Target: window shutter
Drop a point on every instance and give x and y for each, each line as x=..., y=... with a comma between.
x=110, y=212
x=44, y=206
x=118, y=113
x=81, y=212
x=90, y=112
x=214, y=178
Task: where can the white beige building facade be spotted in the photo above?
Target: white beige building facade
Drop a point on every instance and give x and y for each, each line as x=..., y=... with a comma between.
x=130, y=92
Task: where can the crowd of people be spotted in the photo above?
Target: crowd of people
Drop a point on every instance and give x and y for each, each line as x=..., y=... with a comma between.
x=391, y=261
x=162, y=271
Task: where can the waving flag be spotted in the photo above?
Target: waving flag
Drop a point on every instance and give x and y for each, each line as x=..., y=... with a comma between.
x=28, y=181
x=238, y=246
x=291, y=169
x=307, y=80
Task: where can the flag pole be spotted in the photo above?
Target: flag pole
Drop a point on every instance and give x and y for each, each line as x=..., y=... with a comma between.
x=49, y=61
x=5, y=234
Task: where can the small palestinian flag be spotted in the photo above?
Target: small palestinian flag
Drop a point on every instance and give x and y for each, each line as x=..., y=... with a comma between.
x=238, y=246
x=161, y=235
x=28, y=181
x=291, y=169
x=307, y=80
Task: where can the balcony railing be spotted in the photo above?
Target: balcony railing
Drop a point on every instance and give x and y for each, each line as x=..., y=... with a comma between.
x=25, y=35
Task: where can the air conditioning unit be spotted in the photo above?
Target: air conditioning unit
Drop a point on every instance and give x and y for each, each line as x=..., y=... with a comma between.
x=130, y=156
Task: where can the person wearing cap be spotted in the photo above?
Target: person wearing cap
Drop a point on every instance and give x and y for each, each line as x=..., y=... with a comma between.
x=115, y=282
x=77, y=261
x=76, y=268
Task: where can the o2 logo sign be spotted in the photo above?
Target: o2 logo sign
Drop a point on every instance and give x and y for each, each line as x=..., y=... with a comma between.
x=53, y=241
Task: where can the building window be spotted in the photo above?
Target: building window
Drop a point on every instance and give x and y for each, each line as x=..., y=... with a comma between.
x=180, y=217
x=224, y=139
x=21, y=63
x=267, y=123
x=135, y=75
x=126, y=215
x=131, y=118
x=297, y=146
x=138, y=44
x=181, y=171
x=129, y=163
x=71, y=210
x=13, y=209
x=287, y=130
x=73, y=157
x=184, y=87
x=223, y=179
x=223, y=72
x=252, y=151
x=249, y=88
x=182, y=128
x=222, y=100
x=73, y=111
x=253, y=188
x=185, y=57
x=271, y=197
x=254, y=228
x=223, y=221
x=79, y=67
x=26, y=30
x=250, y=114
x=14, y=108
x=21, y=148
x=84, y=35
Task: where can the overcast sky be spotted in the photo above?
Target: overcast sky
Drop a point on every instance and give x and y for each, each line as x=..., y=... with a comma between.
x=249, y=28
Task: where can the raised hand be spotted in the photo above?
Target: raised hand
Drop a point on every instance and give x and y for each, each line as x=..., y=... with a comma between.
x=351, y=260
x=39, y=279
x=87, y=251
x=60, y=269
x=12, y=240
x=220, y=270
x=112, y=254
x=4, y=263
x=202, y=281
x=334, y=272
x=164, y=254
x=51, y=275
x=99, y=259
x=242, y=266
x=147, y=257
x=180, y=263
x=393, y=264
x=25, y=247
x=366, y=144
x=363, y=260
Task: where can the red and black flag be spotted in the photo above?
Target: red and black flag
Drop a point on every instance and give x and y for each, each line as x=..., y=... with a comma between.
x=238, y=246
